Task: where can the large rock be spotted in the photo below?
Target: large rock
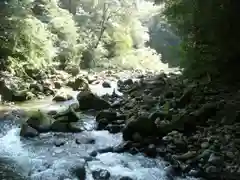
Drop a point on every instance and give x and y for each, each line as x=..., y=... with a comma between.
x=68, y=115
x=27, y=131
x=59, y=122
x=101, y=174
x=73, y=70
x=87, y=100
x=39, y=121
x=10, y=93
x=109, y=115
x=79, y=170
x=61, y=126
x=62, y=96
x=143, y=125
x=79, y=83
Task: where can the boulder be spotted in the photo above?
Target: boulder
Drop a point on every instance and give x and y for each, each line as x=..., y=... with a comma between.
x=105, y=114
x=60, y=126
x=39, y=121
x=78, y=83
x=9, y=93
x=101, y=174
x=36, y=87
x=62, y=96
x=67, y=115
x=114, y=128
x=106, y=84
x=87, y=100
x=79, y=170
x=73, y=70
x=27, y=131
x=143, y=125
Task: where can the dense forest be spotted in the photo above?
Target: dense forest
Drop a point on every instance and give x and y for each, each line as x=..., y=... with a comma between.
x=209, y=33
x=84, y=33
x=110, y=33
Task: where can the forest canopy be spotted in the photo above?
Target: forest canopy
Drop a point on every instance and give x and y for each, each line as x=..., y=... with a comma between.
x=39, y=33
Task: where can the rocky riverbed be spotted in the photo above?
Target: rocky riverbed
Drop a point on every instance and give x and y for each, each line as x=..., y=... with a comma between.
x=194, y=126
x=38, y=142
x=162, y=119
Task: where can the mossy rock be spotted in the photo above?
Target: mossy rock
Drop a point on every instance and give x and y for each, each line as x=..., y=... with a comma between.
x=39, y=120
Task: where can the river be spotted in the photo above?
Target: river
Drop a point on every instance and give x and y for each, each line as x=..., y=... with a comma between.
x=41, y=159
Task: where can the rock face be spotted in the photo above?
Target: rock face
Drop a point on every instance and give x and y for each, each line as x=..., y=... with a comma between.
x=87, y=100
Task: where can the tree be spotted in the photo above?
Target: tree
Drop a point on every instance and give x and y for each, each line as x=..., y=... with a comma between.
x=209, y=33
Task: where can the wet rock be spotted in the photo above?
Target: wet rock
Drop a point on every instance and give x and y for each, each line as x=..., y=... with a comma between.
x=62, y=96
x=73, y=70
x=170, y=172
x=125, y=178
x=105, y=150
x=128, y=82
x=88, y=100
x=194, y=173
x=133, y=150
x=119, y=122
x=10, y=94
x=215, y=160
x=151, y=151
x=78, y=83
x=58, y=84
x=102, y=124
x=60, y=126
x=93, y=153
x=67, y=115
x=136, y=137
x=27, y=131
x=211, y=170
x=106, y=114
x=48, y=87
x=101, y=174
x=91, y=79
x=106, y=84
x=185, y=156
x=79, y=171
x=36, y=87
x=114, y=128
x=159, y=114
x=39, y=121
x=143, y=125
x=59, y=143
x=85, y=140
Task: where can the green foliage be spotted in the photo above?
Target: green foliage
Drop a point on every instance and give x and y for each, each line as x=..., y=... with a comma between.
x=210, y=35
x=38, y=33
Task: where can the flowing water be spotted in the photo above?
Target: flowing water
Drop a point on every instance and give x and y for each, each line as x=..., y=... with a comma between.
x=41, y=159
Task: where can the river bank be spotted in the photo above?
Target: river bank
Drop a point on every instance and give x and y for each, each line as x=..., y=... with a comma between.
x=194, y=126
